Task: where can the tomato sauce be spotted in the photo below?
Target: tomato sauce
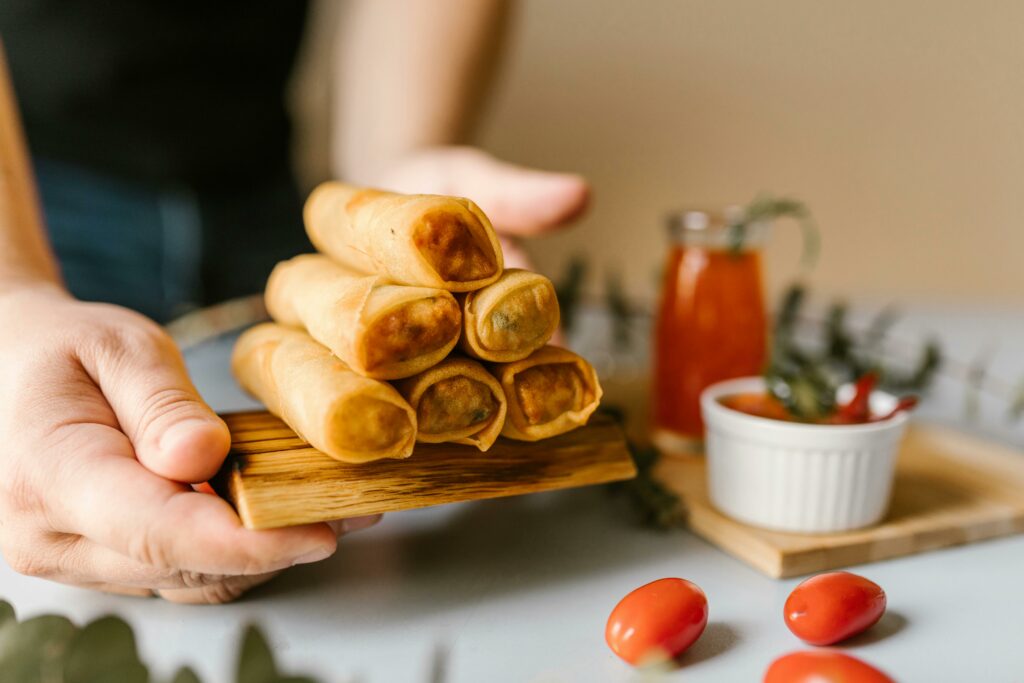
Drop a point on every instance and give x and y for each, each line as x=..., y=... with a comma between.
x=766, y=405
x=711, y=327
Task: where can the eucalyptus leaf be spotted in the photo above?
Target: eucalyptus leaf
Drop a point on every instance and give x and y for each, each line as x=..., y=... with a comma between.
x=101, y=648
x=185, y=675
x=255, y=660
x=767, y=208
x=32, y=650
x=569, y=290
x=6, y=612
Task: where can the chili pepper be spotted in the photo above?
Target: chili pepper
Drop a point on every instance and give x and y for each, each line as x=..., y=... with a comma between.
x=905, y=403
x=858, y=407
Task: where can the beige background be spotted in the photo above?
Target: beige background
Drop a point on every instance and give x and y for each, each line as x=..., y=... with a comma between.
x=900, y=123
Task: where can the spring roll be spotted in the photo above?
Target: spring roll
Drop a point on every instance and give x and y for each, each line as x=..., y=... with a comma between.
x=552, y=392
x=456, y=401
x=419, y=240
x=380, y=330
x=510, y=319
x=349, y=417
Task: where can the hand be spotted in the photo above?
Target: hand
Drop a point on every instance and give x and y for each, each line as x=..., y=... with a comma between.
x=519, y=201
x=103, y=432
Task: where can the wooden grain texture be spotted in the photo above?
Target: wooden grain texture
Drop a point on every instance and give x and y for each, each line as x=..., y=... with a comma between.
x=275, y=479
x=950, y=488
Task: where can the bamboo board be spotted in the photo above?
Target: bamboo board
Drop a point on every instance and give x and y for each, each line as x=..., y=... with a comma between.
x=950, y=488
x=274, y=479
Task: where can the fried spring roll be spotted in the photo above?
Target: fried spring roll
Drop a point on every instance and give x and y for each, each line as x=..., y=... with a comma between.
x=419, y=240
x=551, y=392
x=380, y=330
x=457, y=401
x=349, y=417
x=509, y=319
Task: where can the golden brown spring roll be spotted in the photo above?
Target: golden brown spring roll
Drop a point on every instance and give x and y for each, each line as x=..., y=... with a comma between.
x=509, y=319
x=380, y=330
x=347, y=416
x=551, y=392
x=456, y=401
x=420, y=240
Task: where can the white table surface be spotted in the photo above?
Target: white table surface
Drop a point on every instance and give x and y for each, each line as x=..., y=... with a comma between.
x=519, y=589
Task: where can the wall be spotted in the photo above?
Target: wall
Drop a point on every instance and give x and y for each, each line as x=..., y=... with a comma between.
x=899, y=123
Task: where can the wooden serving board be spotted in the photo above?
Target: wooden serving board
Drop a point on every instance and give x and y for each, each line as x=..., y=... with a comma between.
x=275, y=479
x=950, y=488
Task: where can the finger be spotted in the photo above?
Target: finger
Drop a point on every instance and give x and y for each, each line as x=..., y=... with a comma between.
x=514, y=255
x=353, y=524
x=228, y=590
x=104, y=494
x=518, y=200
x=78, y=561
x=521, y=201
x=144, y=379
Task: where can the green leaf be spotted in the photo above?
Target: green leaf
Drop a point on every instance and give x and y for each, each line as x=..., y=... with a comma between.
x=6, y=612
x=185, y=675
x=32, y=650
x=255, y=660
x=100, y=649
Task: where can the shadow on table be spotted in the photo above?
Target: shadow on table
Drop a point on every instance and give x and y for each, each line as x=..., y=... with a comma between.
x=430, y=561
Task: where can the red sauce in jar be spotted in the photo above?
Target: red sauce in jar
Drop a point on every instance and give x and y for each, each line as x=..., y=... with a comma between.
x=711, y=326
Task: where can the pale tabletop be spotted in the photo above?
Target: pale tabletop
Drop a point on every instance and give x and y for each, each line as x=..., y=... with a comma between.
x=519, y=589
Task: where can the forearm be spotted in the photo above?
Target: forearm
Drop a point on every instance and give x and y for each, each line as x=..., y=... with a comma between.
x=25, y=256
x=409, y=75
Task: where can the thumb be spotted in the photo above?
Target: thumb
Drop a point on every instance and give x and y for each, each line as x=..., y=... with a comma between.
x=174, y=433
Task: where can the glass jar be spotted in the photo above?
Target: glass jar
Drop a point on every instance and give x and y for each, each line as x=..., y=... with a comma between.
x=711, y=323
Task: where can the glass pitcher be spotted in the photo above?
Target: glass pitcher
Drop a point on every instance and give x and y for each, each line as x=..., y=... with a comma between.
x=711, y=323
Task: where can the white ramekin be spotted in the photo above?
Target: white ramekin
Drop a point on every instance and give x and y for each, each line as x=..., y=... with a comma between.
x=795, y=477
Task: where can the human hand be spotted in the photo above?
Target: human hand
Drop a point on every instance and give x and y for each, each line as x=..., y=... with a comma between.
x=519, y=201
x=103, y=432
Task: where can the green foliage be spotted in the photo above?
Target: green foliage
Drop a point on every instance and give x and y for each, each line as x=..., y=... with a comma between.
x=255, y=660
x=767, y=208
x=569, y=290
x=104, y=650
x=33, y=650
x=51, y=649
x=652, y=503
x=621, y=311
x=806, y=381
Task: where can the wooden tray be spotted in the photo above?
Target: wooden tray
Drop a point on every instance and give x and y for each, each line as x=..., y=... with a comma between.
x=275, y=479
x=950, y=488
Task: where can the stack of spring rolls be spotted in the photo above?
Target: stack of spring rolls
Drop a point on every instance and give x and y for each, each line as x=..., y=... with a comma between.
x=406, y=327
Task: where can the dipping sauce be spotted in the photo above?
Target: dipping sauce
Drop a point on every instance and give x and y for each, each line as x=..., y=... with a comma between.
x=766, y=405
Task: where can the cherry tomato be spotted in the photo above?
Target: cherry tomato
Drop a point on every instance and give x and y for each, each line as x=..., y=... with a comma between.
x=822, y=666
x=831, y=607
x=657, y=621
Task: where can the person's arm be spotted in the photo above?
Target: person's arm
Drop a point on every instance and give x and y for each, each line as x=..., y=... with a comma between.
x=410, y=75
x=409, y=79
x=25, y=257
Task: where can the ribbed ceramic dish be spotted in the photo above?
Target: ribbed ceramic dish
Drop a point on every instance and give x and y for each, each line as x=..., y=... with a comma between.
x=794, y=477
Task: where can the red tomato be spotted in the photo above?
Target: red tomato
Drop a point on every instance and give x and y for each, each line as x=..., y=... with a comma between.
x=831, y=607
x=657, y=621
x=822, y=666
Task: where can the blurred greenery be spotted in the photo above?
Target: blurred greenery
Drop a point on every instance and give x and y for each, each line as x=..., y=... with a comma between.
x=51, y=649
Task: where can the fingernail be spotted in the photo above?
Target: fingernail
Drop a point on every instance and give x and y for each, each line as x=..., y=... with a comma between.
x=358, y=523
x=321, y=553
x=180, y=431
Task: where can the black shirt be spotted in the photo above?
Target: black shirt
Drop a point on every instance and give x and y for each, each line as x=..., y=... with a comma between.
x=166, y=91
